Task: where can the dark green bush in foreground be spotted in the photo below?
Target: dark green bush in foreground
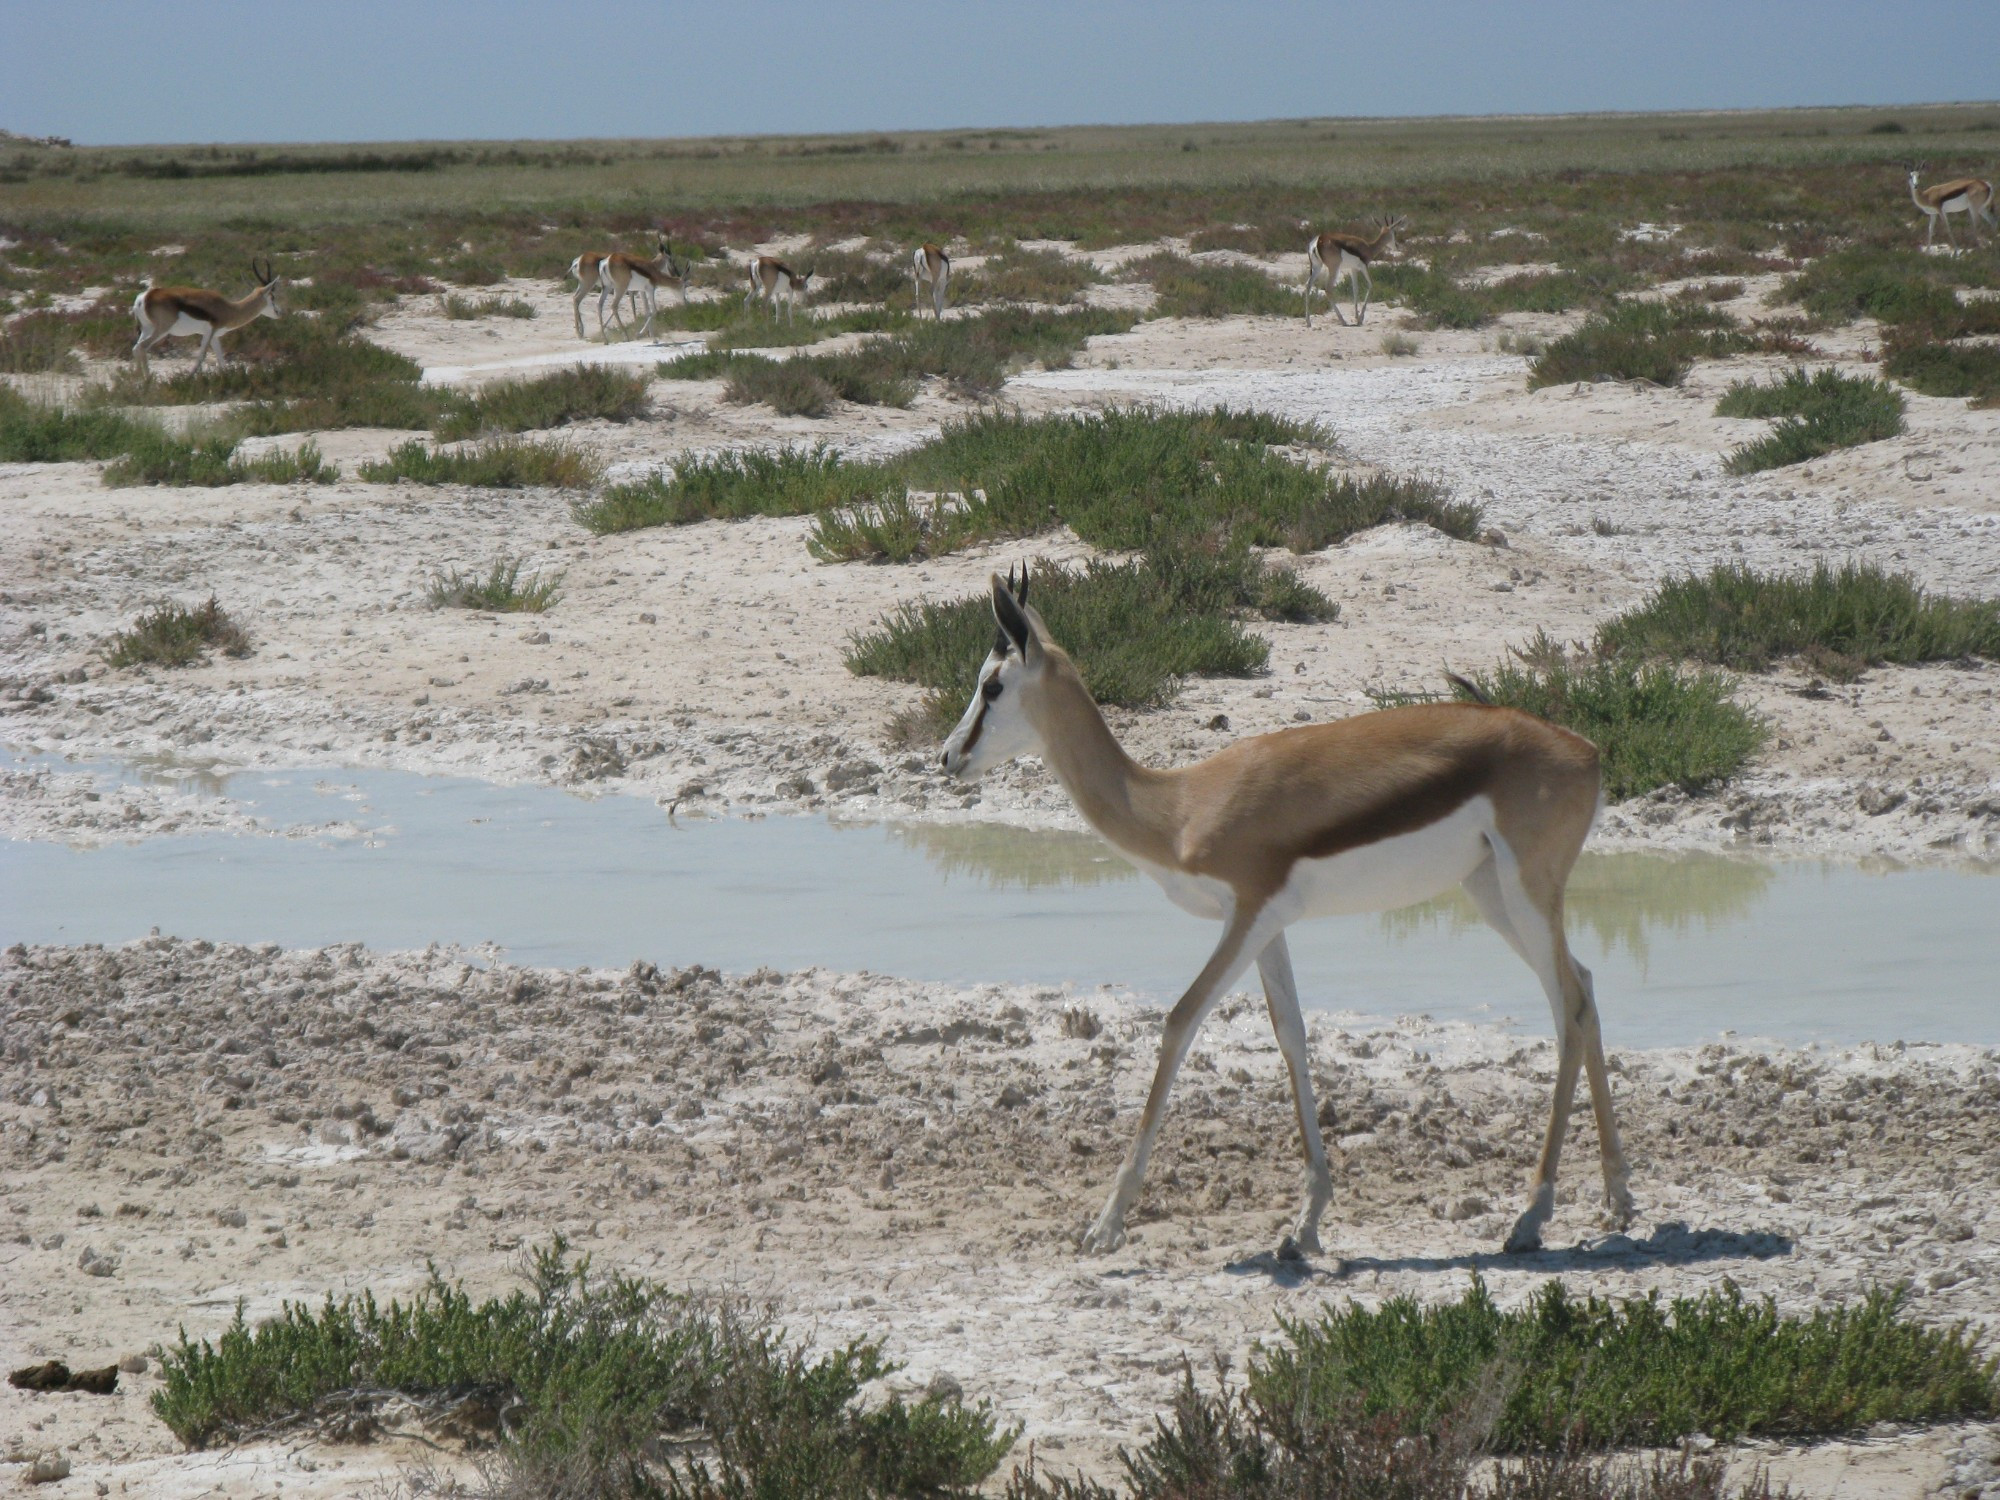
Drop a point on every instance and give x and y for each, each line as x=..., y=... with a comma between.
x=174, y=635
x=1595, y=1373
x=155, y=456
x=1654, y=724
x=552, y=400
x=1946, y=369
x=1840, y=619
x=34, y=433
x=587, y=1373
x=1816, y=414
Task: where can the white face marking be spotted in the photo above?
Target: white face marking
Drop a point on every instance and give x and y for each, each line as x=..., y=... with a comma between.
x=993, y=729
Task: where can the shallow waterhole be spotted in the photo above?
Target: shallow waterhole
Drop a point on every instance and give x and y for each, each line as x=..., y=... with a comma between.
x=1684, y=947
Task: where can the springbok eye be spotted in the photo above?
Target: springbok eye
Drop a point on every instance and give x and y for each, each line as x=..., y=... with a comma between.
x=990, y=689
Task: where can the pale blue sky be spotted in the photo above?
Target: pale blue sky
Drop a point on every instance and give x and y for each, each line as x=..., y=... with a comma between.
x=130, y=71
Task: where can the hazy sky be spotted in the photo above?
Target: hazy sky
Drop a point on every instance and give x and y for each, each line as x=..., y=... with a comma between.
x=322, y=70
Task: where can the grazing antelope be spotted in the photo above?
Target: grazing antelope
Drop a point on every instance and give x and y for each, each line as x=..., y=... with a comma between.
x=618, y=272
x=588, y=269
x=1346, y=257
x=166, y=312
x=1971, y=196
x=1363, y=814
x=772, y=279
x=932, y=266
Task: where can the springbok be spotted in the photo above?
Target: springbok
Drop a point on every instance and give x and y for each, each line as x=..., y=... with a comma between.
x=618, y=272
x=774, y=281
x=933, y=267
x=166, y=312
x=1346, y=257
x=1971, y=196
x=1363, y=814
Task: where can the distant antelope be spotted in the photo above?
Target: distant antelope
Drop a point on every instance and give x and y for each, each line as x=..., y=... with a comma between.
x=166, y=312
x=773, y=280
x=1971, y=196
x=1346, y=257
x=931, y=265
x=588, y=269
x=618, y=272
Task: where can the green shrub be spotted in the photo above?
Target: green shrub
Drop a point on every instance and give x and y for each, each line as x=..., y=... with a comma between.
x=464, y=309
x=1135, y=630
x=1433, y=296
x=1839, y=619
x=581, y=394
x=1185, y=288
x=33, y=433
x=729, y=486
x=1654, y=724
x=173, y=635
x=154, y=456
x=1895, y=286
x=1656, y=341
x=499, y=463
x=1946, y=369
x=1596, y=1373
x=1018, y=275
x=589, y=1373
x=501, y=590
x=1817, y=414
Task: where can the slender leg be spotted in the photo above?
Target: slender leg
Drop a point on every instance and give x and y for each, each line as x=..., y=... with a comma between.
x=1243, y=936
x=1333, y=296
x=1361, y=308
x=1311, y=269
x=1948, y=234
x=140, y=351
x=652, y=310
x=939, y=293
x=576, y=305
x=1281, y=998
x=201, y=356
x=1497, y=890
x=1930, y=229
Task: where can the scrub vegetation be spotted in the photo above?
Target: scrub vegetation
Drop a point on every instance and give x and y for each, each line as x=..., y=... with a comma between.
x=575, y=1379
x=175, y=635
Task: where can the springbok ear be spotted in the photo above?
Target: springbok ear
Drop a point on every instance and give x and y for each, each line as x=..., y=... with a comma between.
x=1011, y=618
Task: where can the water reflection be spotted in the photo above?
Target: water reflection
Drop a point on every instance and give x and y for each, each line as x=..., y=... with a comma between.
x=998, y=855
x=1625, y=900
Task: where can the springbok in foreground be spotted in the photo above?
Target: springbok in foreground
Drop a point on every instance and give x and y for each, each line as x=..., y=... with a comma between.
x=619, y=271
x=776, y=283
x=166, y=312
x=932, y=267
x=1971, y=196
x=1360, y=815
x=1346, y=257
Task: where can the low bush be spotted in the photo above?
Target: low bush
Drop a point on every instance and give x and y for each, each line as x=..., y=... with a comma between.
x=728, y=486
x=464, y=309
x=172, y=635
x=155, y=456
x=1185, y=288
x=1655, y=341
x=790, y=387
x=1135, y=630
x=589, y=1373
x=499, y=463
x=1019, y=275
x=1654, y=723
x=1817, y=413
x=1594, y=1373
x=1839, y=619
x=580, y=394
x=34, y=433
x=502, y=590
x=1434, y=297
x=1946, y=369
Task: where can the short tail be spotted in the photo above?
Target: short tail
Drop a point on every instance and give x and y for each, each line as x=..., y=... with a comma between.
x=1468, y=687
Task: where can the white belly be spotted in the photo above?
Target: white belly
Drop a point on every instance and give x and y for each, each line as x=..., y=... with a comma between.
x=1382, y=876
x=185, y=324
x=1376, y=877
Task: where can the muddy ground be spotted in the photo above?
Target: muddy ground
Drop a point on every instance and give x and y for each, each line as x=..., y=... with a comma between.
x=909, y=1162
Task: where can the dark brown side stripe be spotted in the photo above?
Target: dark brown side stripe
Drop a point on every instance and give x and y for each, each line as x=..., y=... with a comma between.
x=1405, y=811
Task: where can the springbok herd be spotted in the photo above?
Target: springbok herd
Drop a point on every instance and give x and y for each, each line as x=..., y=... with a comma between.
x=165, y=312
